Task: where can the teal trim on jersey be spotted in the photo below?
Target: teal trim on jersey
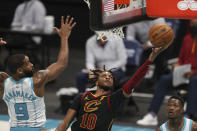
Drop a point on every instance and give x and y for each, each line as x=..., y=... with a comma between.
x=32, y=84
x=190, y=125
x=161, y=128
x=32, y=91
x=4, y=84
x=166, y=125
x=183, y=128
x=20, y=81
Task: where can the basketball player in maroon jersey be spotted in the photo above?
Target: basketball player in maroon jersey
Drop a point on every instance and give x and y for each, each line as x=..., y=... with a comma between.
x=96, y=111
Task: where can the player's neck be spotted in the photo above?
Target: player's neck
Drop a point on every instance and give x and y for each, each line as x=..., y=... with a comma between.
x=100, y=92
x=176, y=123
x=16, y=78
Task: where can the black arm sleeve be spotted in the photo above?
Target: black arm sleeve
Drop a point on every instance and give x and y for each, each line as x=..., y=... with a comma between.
x=76, y=102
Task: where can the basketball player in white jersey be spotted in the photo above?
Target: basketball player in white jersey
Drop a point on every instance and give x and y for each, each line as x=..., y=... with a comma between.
x=176, y=121
x=23, y=91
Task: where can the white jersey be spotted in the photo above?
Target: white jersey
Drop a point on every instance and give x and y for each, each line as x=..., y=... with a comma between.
x=24, y=107
x=186, y=127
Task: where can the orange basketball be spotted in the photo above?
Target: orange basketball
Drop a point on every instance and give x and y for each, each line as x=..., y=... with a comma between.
x=161, y=35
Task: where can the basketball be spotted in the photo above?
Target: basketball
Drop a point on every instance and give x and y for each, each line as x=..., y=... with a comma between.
x=161, y=35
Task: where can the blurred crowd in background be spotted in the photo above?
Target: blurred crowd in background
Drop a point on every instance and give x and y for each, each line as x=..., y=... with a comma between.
x=123, y=55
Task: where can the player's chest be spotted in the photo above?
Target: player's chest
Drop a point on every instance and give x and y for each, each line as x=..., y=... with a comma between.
x=94, y=104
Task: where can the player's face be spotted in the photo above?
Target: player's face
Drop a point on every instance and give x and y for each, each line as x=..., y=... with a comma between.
x=105, y=79
x=27, y=67
x=103, y=41
x=174, y=109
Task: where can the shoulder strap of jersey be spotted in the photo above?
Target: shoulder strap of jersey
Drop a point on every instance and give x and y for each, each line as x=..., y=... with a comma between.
x=187, y=124
x=163, y=127
x=83, y=96
x=108, y=103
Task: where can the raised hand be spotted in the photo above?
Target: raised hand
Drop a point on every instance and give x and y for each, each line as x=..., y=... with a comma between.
x=155, y=52
x=66, y=27
x=2, y=42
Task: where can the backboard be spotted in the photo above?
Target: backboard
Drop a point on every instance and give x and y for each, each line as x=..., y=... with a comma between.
x=107, y=14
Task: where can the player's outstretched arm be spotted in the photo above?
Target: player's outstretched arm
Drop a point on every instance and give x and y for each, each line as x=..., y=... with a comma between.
x=67, y=119
x=43, y=76
x=64, y=32
x=129, y=86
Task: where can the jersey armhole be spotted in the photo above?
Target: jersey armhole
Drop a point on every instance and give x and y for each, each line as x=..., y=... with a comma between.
x=83, y=96
x=161, y=128
x=190, y=125
x=4, y=87
x=32, y=83
x=108, y=103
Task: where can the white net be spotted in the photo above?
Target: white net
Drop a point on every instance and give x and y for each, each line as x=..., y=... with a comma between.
x=118, y=32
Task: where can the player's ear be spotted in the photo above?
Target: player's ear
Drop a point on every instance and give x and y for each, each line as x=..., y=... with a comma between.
x=96, y=83
x=19, y=71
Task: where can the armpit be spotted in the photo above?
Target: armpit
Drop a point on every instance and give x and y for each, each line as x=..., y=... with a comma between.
x=42, y=73
x=40, y=77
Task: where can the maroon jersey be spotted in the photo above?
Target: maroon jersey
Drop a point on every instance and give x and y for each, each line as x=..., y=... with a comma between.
x=96, y=113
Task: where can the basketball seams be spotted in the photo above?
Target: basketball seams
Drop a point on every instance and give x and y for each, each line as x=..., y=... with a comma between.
x=161, y=35
x=153, y=30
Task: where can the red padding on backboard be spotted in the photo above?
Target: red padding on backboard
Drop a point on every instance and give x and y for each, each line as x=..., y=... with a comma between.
x=122, y=2
x=182, y=9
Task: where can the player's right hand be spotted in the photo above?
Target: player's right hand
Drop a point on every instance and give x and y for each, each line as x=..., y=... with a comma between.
x=2, y=42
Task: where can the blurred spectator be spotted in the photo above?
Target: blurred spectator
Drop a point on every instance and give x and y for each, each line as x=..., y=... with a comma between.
x=108, y=51
x=30, y=16
x=188, y=55
x=139, y=31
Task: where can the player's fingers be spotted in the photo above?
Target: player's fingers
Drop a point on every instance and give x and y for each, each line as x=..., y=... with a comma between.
x=73, y=24
x=62, y=20
x=71, y=21
x=56, y=29
x=67, y=19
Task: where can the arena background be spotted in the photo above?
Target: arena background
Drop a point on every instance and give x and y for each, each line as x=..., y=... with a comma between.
x=79, y=10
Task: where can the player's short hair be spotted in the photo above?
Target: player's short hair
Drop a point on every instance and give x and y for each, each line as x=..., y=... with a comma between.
x=177, y=98
x=14, y=62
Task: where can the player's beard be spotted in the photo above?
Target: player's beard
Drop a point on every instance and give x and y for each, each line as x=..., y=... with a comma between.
x=29, y=73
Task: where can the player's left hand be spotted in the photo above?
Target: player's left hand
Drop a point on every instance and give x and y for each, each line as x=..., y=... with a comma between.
x=2, y=42
x=155, y=52
x=189, y=74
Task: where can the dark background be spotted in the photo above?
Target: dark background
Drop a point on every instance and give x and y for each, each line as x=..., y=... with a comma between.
x=75, y=8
